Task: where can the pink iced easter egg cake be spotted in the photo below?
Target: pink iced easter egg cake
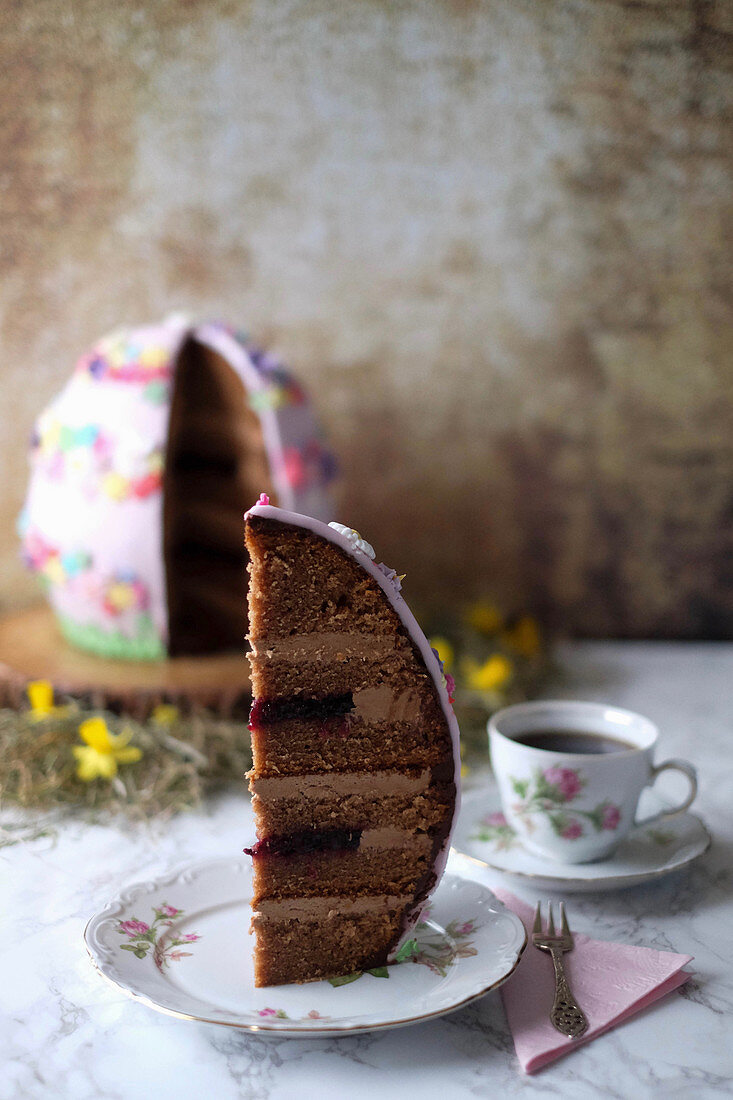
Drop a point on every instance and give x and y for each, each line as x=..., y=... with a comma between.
x=141, y=469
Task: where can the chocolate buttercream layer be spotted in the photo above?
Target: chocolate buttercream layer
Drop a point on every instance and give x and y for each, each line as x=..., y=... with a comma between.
x=389, y=836
x=337, y=785
x=383, y=704
x=313, y=909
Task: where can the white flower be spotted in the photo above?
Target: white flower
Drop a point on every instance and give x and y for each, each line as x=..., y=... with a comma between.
x=355, y=539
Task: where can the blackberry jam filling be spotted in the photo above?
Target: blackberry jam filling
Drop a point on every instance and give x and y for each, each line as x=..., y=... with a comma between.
x=298, y=844
x=267, y=711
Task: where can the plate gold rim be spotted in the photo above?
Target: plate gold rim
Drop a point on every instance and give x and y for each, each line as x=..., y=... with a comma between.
x=287, y=1032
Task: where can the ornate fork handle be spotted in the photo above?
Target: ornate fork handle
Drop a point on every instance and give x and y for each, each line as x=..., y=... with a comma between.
x=566, y=1015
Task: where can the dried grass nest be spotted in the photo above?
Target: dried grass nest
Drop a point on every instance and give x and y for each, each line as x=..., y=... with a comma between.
x=184, y=759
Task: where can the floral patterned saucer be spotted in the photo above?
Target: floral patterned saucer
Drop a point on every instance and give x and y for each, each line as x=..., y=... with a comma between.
x=650, y=851
x=180, y=944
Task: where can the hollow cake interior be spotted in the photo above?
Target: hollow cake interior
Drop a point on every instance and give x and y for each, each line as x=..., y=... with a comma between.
x=353, y=779
x=215, y=458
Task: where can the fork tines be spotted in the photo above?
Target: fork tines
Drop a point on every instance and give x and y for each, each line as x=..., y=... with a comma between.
x=564, y=927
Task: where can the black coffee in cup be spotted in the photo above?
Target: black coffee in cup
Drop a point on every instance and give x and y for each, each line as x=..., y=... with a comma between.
x=573, y=741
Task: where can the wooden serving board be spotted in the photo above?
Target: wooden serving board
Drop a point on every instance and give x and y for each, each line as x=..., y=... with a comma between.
x=33, y=648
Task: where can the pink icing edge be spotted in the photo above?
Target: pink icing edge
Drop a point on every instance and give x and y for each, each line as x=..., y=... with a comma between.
x=411, y=625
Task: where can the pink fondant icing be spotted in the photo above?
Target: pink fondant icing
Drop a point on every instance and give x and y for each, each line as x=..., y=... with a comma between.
x=390, y=585
x=93, y=518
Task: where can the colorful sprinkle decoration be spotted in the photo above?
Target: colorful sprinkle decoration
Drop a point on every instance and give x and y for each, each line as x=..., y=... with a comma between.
x=117, y=359
x=118, y=468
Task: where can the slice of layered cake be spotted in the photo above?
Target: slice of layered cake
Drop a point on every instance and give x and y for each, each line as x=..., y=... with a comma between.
x=355, y=752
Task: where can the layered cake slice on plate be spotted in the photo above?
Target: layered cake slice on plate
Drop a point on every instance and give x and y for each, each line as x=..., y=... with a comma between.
x=355, y=752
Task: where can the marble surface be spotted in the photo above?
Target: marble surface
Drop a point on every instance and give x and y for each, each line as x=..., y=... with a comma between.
x=67, y=1033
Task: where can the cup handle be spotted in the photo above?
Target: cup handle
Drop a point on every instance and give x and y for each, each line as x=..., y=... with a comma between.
x=673, y=765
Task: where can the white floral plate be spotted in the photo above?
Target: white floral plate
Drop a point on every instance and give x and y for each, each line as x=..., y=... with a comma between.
x=181, y=945
x=648, y=852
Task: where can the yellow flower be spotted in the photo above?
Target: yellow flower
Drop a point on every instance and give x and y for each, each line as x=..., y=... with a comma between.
x=492, y=675
x=444, y=648
x=40, y=697
x=485, y=617
x=103, y=750
x=165, y=714
x=523, y=637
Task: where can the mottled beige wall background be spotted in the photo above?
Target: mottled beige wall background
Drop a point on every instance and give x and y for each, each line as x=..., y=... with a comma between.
x=493, y=237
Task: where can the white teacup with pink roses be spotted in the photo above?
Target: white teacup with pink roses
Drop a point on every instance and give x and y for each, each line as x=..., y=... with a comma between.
x=570, y=775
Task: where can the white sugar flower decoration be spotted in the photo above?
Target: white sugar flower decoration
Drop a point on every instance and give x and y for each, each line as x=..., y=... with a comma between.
x=355, y=539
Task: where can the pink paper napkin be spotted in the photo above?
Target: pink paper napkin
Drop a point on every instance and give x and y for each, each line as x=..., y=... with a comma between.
x=611, y=982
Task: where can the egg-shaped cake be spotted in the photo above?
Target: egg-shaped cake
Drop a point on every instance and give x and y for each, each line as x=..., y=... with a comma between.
x=141, y=469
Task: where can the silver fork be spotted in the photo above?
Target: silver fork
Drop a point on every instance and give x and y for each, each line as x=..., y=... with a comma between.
x=566, y=1014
